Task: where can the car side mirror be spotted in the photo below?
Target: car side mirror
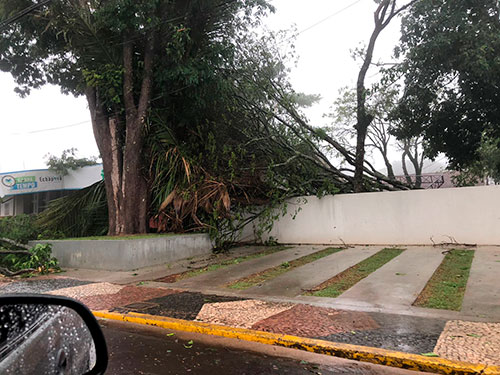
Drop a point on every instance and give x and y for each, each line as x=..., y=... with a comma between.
x=44, y=334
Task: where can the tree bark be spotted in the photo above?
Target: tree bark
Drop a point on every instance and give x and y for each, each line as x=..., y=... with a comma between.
x=388, y=165
x=120, y=142
x=417, y=161
x=405, y=170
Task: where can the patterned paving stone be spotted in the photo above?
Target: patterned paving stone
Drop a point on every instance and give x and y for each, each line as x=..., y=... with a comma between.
x=183, y=305
x=41, y=286
x=311, y=321
x=126, y=295
x=470, y=342
x=397, y=332
x=242, y=314
x=88, y=290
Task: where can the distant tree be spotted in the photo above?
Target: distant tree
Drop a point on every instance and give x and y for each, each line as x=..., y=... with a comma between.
x=451, y=72
x=380, y=103
x=484, y=170
x=68, y=161
x=344, y=118
x=412, y=150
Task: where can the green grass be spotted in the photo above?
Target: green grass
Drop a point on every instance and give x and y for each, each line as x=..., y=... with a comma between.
x=347, y=279
x=128, y=237
x=230, y=262
x=446, y=288
x=271, y=273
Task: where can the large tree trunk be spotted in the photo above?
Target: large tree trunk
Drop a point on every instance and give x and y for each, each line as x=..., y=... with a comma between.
x=126, y=188
x=120, y=142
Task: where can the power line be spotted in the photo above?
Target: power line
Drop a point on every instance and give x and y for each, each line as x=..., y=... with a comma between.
x=434, y=163
x=23, y=13
x=89, y=121
x=328, y=17
x=50, y=129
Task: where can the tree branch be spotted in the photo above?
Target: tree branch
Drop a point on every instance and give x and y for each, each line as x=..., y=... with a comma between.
x=15, y=243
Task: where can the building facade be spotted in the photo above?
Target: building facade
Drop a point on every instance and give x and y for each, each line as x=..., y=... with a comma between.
x=29, y=192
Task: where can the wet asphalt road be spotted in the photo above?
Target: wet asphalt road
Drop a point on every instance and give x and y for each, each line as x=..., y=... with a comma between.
x=152, y=351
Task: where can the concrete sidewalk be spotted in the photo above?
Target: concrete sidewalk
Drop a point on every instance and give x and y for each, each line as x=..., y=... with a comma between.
x=381, y=319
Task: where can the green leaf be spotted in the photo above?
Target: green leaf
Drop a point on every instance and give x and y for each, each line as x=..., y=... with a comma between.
x=429, y=354
x=474, y=335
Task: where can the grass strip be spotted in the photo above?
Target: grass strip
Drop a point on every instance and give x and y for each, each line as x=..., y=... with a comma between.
x=348, y=278
x=271, y=273
x=446, y=288
x=229, y=262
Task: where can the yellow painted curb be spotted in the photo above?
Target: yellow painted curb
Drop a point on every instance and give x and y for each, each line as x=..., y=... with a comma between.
x=354, y=352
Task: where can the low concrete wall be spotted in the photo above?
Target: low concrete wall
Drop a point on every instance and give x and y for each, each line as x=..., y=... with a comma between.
x=469, y=215
x=125, y=255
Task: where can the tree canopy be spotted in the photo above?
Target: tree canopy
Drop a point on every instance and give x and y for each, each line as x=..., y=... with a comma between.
x=451, y=69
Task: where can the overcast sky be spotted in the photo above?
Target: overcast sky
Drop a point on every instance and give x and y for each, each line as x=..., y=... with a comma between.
x=49, y=122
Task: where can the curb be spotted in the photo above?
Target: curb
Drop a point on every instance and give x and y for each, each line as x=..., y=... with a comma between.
x=347, y=351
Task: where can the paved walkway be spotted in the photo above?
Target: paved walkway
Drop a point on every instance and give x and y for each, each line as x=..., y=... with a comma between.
x=482, y=296
x=276, y=307
x=294, y=283
x=232, y=273
x=399, y=282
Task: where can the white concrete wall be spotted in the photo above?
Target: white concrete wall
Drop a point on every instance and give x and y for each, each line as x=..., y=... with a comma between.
x=469, y=215
x=127, y=255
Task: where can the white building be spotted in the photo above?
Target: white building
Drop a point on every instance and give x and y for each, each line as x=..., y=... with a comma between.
x=29, y=192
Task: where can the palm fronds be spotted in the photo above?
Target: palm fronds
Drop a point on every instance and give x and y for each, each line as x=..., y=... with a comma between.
x=188, y=191
x=82, y=213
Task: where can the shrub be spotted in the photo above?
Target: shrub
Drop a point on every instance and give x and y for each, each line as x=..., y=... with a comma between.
x=20, y=228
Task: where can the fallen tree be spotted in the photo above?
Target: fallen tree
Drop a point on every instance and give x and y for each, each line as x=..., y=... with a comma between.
x=228, y=150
